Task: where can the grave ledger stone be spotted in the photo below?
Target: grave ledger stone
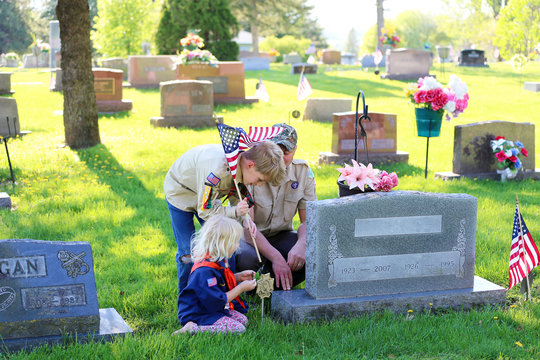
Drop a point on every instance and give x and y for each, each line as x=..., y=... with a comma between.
x=307, y=68
x=531, y=86
x=381, y=140
x=393, y=251
x=472, y=57
x=5, y=200
x=474, y=158
x=108, y=89
x=187, y=103
x=5, y=83
x=403, y=64
x=48, y=291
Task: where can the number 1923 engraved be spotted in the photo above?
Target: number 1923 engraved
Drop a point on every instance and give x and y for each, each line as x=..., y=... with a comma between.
x=396, y=266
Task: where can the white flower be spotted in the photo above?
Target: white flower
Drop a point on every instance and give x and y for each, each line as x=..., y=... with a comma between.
x=450, y=106
x=430, y=83
x=496, y=145
x=510, y=143
x=458, y=87
x=508, y=152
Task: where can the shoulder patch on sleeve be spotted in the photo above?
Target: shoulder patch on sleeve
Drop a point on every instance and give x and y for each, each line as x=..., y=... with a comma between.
x=213, y=179
x=311, y=175
x=211, y=282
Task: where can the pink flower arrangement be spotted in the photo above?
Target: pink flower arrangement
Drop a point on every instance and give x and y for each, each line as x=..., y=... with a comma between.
x=508, y=153
x=389, y=37
x=428, y=93
x=192, y=53
x=192, y=42
x=364, y=177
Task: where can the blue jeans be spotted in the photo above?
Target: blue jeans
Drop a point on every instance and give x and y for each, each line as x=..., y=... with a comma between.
x=183, y=229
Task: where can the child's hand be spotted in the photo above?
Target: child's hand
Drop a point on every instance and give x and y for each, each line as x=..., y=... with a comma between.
x=242, y=208
x=248, y=285
x=245, y=275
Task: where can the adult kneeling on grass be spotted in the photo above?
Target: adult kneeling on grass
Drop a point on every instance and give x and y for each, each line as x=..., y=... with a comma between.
x=275, y=206
x=198, y=181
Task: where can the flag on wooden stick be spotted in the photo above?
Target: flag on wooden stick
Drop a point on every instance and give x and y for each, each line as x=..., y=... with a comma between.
x=304, y=88
x=261, y=92
x=524, y=254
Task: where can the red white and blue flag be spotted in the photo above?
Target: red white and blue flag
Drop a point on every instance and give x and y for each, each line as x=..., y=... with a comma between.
x=261, y=92
x=524, y=254
x=235, y=140
x=304, y=88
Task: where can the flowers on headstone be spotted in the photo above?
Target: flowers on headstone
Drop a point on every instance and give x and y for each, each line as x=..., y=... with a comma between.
x=12, y=56
x=389, y=37
x=273, y=52
x=508, y=153
x=192, y=52
x=367, y=178
x=429, y=94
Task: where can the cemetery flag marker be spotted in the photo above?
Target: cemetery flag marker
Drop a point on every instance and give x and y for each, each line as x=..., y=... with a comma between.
x=524, y=254
x=304, y=88
x=261, y=92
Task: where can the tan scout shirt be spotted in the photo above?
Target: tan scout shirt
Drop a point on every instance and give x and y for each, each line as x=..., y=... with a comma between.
x=186, y=181
x=275, y=206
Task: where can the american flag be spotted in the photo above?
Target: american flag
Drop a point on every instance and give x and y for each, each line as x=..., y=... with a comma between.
x=524, y=254
x=261, y=92
x=304, y=88
x=235, y=140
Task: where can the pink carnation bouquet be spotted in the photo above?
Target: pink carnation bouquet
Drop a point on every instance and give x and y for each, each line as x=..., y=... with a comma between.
x=367, y=178
x=428, y=93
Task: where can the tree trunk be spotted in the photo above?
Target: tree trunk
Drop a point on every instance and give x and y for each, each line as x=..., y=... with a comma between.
x=380, y=22
x=253, y=17
x=80, y=111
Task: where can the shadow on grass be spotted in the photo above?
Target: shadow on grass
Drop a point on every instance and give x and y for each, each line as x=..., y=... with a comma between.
x=118, y=115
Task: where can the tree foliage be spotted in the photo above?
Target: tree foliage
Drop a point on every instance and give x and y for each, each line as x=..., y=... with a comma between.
x=351, y=46
x=416, y=28
x=211, y=18
x=286, y=44
x=14, y=28
x=122, y=26
x=518, y=28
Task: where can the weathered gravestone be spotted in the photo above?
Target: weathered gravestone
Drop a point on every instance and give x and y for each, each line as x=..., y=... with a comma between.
x=381, y=140
x=256, y=63
x=348, y=59
x=369, y=61
x=48, y=292
x=56, y=83
x=5, y=83
x=54, y=43
x=149, y=71
x=472, y=57
x=395, y=251
x=298, y=68
x=29, y=60
x=403, y=64
x=187, y=103
x=532, y=86
x=3, y=59
x=331, y=57
x=292, y=58
x=116, y=63
x=322, y=109
x=108, y=89
x=474, y=157
x=5, y=201
x=9, y=117
x=227, y=77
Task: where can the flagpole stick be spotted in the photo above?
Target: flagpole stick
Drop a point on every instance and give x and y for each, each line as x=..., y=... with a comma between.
x=248, y=219
x=522, y=245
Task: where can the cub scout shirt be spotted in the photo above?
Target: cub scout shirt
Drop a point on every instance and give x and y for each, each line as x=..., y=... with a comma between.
x=275, y=206
x=199, y=179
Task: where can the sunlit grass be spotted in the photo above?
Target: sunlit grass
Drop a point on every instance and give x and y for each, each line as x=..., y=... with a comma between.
x=111, y=196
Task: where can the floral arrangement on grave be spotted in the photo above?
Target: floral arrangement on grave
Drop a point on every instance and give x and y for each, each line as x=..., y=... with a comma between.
x=509, y=155
x=429, y=94
x=273, y=52
x=389, y=37
x=192, y=52
x=367, y=178
x=518, y=62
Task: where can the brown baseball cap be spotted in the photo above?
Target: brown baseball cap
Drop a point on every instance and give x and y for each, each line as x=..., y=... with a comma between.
x=287, y=137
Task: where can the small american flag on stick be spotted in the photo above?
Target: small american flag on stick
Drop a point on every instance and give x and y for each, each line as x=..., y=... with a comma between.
x=524, y=254
x=304, y=88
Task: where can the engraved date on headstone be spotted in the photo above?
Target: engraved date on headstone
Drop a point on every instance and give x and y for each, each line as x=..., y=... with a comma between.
x=53, y=296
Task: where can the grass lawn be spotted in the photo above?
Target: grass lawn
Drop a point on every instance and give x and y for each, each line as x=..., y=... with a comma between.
x=111, y=195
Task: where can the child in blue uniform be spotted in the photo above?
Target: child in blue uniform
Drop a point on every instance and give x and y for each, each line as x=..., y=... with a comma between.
x=210, y=302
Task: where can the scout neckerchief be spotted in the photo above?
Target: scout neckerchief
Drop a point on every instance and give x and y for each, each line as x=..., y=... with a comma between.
x=245, y=194
x=229, y=276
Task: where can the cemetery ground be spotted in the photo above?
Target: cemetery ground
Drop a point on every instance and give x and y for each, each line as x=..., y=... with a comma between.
x=111, y=195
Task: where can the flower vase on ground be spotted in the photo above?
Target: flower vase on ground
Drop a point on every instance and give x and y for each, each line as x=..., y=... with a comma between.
x=506, y=174
x=428, y=122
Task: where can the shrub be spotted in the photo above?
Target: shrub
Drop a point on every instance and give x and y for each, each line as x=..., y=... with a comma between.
x=286, y=44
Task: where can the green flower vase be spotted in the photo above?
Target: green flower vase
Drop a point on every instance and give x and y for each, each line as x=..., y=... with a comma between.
x=428, y=122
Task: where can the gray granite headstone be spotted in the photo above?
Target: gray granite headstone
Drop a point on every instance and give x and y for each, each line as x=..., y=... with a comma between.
x=256, y=63
x=54, y=42
x=405, y=64
x=389, y=243
x=395, y=251
x=323, y=109
x=531, y=86
x=47, y=290
x=292, y=58
x=473, y=156
x=5, y=200
x=5, y=83
x=9, y=117
x=472, y=57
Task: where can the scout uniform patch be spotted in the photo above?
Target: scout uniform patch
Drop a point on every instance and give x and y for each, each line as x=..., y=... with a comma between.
x=206, y=203
x=213, y=179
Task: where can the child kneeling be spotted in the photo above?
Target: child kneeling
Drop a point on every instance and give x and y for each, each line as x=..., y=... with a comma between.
x=211, y=300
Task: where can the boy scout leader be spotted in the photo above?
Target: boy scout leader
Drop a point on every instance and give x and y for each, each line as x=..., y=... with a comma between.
x=200, y=178
x=275, y=207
